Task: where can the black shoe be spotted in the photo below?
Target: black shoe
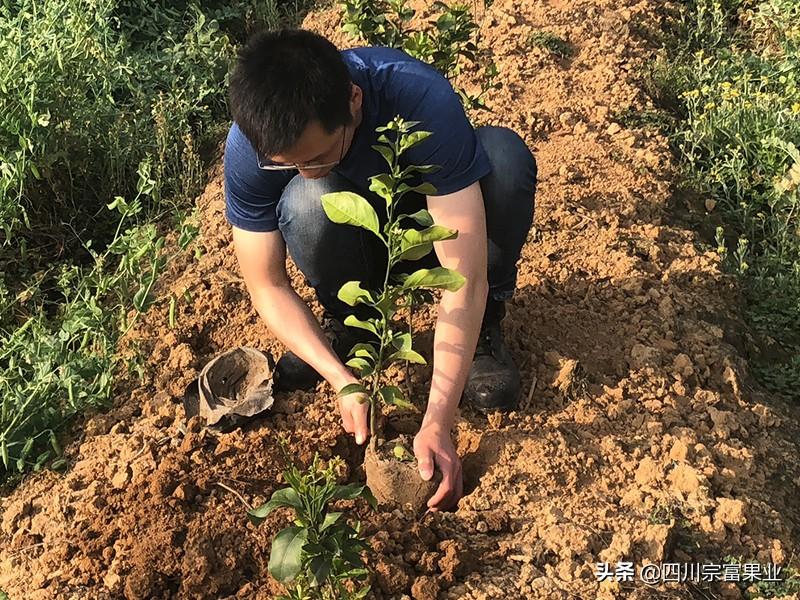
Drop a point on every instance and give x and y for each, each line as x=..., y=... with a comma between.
x=293, y=373
x=493, y=382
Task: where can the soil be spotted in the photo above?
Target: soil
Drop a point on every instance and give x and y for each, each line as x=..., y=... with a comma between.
x=397, y=482
x=640, y=436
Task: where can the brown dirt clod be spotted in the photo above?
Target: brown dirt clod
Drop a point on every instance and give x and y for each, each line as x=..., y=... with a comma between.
x=397, y=482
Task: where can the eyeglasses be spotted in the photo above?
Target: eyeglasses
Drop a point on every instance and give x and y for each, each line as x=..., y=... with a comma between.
x=304, y=167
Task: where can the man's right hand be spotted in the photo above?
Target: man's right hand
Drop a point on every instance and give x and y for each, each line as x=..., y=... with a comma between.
x=355, y=411
x=262, y=261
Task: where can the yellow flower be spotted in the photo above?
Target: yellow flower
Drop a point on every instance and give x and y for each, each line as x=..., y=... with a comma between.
x=710, y=106
x=726, y=85
x=796, y=108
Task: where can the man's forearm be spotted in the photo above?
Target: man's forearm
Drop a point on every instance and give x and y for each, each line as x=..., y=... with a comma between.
x=456, y=336
x=293, y=323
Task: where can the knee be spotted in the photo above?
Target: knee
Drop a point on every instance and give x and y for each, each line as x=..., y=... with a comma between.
x=300, y=205
x=513, y=163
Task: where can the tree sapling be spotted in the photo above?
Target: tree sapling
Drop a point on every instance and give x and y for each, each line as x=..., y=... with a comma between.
x=407, y=237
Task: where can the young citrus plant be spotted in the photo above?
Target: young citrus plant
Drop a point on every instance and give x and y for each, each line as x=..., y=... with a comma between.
x=403, y=242
x=321, y=553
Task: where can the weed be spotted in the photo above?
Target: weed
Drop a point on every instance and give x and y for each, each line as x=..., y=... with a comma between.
x=550, y=42
x=730, y=75
x=102, y=101
x=783, y=581
x=788, y=585
x=632, y=118
x=53, y=367
x=663, y=513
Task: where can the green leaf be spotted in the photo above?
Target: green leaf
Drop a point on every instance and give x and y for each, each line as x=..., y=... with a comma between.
x=402, y=341
x=426, y=189
x=354, y=321
x=55, y=444
x=143, y=299
x=416, y=244
x=364, y=350
x=386, y=306
x=394, y=396
x=422, y=216
x=367, y=495
x=409, y=355
x=418, y=169
x=349, y=208
x=285, y=560
x=352, y=388
x=352, y=557
x=285, y=497
x=353, y=491
x=382, y=186
x=386, y=153
x=364, y=367
x=438, y=277
x=351, y=293
x=414, y=250
x=410, y=140
x=320, y=568
x=330, y=519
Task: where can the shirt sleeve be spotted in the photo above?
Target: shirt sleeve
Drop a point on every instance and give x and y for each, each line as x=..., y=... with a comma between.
x=453, y=145
x=251, y=194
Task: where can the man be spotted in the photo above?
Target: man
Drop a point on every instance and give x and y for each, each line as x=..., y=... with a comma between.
x=304, y=123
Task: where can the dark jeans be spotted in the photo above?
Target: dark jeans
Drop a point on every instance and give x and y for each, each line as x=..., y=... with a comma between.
x=330, y=255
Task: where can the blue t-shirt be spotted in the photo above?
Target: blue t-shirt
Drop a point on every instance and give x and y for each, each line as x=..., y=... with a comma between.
x=393, y=84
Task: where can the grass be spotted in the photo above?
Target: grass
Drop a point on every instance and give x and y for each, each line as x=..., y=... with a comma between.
x=727, y=82
x=105, y=107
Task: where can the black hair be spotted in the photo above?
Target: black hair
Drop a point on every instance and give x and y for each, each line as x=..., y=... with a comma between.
x=283, y=80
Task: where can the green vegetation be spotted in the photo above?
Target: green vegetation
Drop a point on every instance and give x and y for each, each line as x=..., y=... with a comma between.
x=403, y=243
x=444, y=43
x=730, y=78
x=787, y=579
x=788, y=585
x=105, y=107
x=321, y=553
x=550, y=42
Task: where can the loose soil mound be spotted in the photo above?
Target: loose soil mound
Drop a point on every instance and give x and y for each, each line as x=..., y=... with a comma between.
x=639, y=437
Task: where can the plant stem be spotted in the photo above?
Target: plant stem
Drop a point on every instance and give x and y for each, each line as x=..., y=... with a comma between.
x=411, y=335
x=385, y=330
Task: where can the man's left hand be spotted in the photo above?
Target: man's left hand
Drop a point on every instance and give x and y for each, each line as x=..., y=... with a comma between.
x=433, y=447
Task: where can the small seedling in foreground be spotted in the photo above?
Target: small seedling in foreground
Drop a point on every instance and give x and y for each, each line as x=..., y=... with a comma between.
x=321, y=552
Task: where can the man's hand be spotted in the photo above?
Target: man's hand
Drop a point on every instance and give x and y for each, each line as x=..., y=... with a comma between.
x=355, y=410
x=434, y=448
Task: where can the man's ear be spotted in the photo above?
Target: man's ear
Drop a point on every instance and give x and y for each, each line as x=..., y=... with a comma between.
x=356, y=98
